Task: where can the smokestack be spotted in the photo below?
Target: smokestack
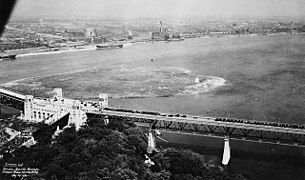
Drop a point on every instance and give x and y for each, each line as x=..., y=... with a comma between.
x=161, y=29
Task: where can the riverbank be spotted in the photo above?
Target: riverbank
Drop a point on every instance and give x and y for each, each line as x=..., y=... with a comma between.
x=57, y=51
x=44, y=50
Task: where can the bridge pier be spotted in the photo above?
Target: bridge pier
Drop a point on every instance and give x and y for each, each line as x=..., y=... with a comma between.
x=226, y=152
x=151, y=145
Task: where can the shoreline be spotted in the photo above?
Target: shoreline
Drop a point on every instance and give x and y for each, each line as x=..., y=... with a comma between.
x=88, y=48
x=129, y=43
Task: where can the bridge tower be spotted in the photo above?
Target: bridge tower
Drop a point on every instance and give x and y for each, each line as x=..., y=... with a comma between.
x=103, y=100
x=28, y=107
x=77, y=116
x=58, y=94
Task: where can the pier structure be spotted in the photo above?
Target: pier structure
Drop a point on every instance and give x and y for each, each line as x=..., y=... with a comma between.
x=226, y=152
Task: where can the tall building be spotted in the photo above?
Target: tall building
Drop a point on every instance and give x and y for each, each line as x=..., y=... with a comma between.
x=162, y=34
x=90, y=32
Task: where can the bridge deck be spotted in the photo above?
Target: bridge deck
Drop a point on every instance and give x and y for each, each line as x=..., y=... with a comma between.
x=207, y=121
x=241, y=129
x=12, y=93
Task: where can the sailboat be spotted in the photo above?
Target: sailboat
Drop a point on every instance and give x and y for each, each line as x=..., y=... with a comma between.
x=197, y=80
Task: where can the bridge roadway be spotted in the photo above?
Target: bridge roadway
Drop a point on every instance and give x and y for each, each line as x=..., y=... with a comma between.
x=237, y=128
x=241, y=129
x=12, y=98
x=11, y=93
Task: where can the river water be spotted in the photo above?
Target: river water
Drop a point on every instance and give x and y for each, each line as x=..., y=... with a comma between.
x=260, y=77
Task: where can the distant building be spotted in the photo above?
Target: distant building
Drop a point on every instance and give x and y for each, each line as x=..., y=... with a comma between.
x=162, y=34
x=159, y=35
x=90, y=32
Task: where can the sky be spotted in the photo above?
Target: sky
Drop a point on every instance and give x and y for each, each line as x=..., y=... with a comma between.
x=160, y=8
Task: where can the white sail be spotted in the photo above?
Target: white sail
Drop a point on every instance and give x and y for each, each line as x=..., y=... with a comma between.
x=197, y=80
x=226, y=153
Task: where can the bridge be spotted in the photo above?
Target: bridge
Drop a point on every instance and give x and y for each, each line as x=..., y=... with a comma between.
x=260, y=131
x=217, y=126
x=12, y=98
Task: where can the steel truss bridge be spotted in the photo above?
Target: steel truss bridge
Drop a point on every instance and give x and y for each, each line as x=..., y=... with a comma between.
x=234, y=128
x=259, y=131
x=12, y=98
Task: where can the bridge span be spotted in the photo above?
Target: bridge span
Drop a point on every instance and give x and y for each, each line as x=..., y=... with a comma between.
x=51, y=110
x=259, y=131
x=12, y=97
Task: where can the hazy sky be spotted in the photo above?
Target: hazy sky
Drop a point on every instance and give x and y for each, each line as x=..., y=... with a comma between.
x=161, y=8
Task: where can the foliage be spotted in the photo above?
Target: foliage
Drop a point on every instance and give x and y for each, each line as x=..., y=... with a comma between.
x=113, y=151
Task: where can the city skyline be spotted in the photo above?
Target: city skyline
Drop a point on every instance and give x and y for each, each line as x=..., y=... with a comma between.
x=161, y=9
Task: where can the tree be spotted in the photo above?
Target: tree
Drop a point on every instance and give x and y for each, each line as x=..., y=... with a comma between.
x=43, y=134
x=115, y=151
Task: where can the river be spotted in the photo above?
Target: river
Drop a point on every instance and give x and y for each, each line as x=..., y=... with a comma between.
x=260, y=77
